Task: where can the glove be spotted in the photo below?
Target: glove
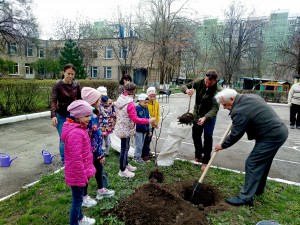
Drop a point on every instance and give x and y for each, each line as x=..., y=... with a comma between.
x=289, y=104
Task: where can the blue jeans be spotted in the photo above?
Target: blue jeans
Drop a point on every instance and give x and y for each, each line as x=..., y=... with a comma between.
x=76, y=209
x=125, y=145
x=206, y=148
x=139, y=142
x=60, y=121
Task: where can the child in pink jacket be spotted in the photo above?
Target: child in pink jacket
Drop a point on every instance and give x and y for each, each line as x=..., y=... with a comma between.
x=78, y=157
x=125, y=126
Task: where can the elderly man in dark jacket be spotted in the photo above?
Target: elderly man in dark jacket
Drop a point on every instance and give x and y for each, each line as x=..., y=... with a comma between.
x=252, y=115
x=205, y=112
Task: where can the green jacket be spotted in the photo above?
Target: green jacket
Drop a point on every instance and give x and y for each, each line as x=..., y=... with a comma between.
x=205, y=103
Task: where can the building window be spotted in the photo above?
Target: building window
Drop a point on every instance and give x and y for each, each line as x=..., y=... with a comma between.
x=12, y=48
x=95, y=53
x=107, y=72
x=123, y=52
x=94, y=72
x=108, y=53
x=41, y=53
x=28, y=69
x=29, y=51
x=14, y=69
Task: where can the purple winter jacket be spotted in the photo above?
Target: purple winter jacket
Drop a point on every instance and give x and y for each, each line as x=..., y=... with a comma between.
x=78, y=154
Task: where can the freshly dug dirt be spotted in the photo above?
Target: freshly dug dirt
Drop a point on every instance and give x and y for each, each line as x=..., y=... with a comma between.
x=163, y=204
x=156, y=176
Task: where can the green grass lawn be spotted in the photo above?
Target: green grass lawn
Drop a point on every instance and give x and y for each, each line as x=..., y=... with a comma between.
x=49, y=201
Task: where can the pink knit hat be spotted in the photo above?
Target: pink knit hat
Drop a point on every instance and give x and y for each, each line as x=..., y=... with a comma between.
x=80, y=108
x=90, y=95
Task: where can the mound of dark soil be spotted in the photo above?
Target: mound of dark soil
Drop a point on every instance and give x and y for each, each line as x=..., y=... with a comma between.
x=163, y=204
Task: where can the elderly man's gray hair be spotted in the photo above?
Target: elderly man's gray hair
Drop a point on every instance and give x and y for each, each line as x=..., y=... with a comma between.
x=225, y=94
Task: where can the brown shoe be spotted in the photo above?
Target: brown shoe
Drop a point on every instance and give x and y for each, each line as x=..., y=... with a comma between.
x=203, y=167
x=146, y=159
x=197, y=160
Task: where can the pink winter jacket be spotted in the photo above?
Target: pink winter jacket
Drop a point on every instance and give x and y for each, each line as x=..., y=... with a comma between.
x=78, y=154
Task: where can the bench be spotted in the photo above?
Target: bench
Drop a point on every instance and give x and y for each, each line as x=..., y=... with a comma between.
x=163, y=93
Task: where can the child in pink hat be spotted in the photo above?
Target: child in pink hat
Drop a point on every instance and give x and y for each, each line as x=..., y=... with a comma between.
x=78, y=157
x=93, y=97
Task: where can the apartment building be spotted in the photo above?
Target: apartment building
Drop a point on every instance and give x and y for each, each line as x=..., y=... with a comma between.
x=274, y=30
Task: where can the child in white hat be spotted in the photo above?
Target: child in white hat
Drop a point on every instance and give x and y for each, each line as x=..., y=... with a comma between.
x=142, y=130
x=154, y=111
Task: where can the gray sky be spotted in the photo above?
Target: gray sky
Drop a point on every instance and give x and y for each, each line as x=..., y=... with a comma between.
x=48, y=11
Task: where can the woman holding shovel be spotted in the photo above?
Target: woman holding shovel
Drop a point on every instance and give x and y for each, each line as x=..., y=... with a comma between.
x=252, y=115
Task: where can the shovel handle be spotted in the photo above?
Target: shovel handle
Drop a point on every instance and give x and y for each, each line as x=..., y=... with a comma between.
x=214, y=154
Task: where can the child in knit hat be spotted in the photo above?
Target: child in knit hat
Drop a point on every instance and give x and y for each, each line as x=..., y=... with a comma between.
x=125, y=126
x=102, y=90
x=107, y=120
x=93, y=97
x=78, y=156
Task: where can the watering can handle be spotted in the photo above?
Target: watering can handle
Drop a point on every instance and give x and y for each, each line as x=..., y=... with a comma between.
x=214, y=154
x=3, y=153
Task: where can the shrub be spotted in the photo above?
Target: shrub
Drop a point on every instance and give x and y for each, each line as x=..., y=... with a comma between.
x=30, y=96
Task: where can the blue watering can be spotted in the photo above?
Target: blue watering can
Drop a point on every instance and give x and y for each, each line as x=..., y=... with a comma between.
x=5, y=160
x=47, y=157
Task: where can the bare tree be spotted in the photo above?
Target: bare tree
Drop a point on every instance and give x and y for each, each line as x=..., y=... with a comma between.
x=290, y=50
x=126, y=42
x=81, y=31
x=234, y=39
x=162, y=23
x=17, y=23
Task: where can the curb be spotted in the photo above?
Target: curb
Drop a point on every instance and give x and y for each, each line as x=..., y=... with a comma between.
x=24, y=117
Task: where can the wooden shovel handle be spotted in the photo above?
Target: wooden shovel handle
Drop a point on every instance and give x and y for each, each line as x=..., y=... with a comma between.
x=214, y=154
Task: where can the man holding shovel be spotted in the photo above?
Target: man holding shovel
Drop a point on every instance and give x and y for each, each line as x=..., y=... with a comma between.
x=205, y=112
x=252, y=115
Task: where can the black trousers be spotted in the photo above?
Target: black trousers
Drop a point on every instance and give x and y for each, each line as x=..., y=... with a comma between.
x=203, y=151
x=295, y=115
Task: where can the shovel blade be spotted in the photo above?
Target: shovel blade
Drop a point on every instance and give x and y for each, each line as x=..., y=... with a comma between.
x=196, y=190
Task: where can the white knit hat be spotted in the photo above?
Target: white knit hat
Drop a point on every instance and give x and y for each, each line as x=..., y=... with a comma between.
x=151, y=91
x=102, y=90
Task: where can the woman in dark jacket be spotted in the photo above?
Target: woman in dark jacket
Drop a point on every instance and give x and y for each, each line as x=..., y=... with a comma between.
x=64, y=92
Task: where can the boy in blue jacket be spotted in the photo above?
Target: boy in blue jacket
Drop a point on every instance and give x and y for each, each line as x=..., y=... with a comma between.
x=141, y=129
